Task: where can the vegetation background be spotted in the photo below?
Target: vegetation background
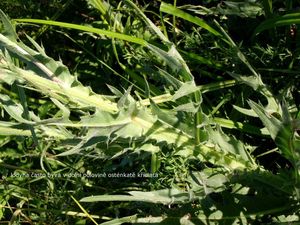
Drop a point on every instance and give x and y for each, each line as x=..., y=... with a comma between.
x=149, y=112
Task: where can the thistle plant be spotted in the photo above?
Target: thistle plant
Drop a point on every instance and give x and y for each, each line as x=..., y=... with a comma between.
x=191, y=160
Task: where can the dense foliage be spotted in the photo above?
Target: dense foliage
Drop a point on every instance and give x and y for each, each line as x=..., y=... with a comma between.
x=158, y=112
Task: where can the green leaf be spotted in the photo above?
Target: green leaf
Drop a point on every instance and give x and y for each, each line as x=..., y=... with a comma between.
x=185, y=90
x=229, y=144
x=285, y=20
x=148, y=147
x=148, y=22
x=201, y=60
x=167, y=8
x=8, y=131
x=174, y=61
x=119, y=221
x=256, y=83
x=169, y=129
x=9, y=30
x=15, y=110
x=268, y=8
x=240, y=126
x=248, y=112
x=102, y=6
x=107, y=33
x=49, y=76
x=170, y=78
x=272, y=123
x=165, y=196
x=188, y=107
x=172, y=57
x=241, y=8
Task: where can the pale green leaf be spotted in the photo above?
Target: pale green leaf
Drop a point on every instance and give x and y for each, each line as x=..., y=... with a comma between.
x=165, y=196
x=248, y=112
x=272, y=123
x=8, y=131
x=148, y=147
x=186, y=89
x=119, y=221
x=8, y=29
x=229, y=144
x=15, y=110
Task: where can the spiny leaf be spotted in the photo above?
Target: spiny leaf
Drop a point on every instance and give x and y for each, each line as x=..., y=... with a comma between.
x=173, y=60
x=170, y=118
x=256, y=83
x=172, y=53
x=178, y=62
x=214, y=155
x=170, y=78
x=15, y=110
x=272, y=123
x=57, y=80
x=9, y=30
x=229, y=144
x=188, y=107
x=286, y=140
x=186, y=89
x=248, y=112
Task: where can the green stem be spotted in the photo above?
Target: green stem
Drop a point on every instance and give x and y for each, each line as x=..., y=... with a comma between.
x=198, y=118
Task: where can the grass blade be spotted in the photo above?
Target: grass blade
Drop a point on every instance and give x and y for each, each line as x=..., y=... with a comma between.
x=268, y=8
x=167, y=8
x=106, y=33
x=285, y=20
x=83, y=210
